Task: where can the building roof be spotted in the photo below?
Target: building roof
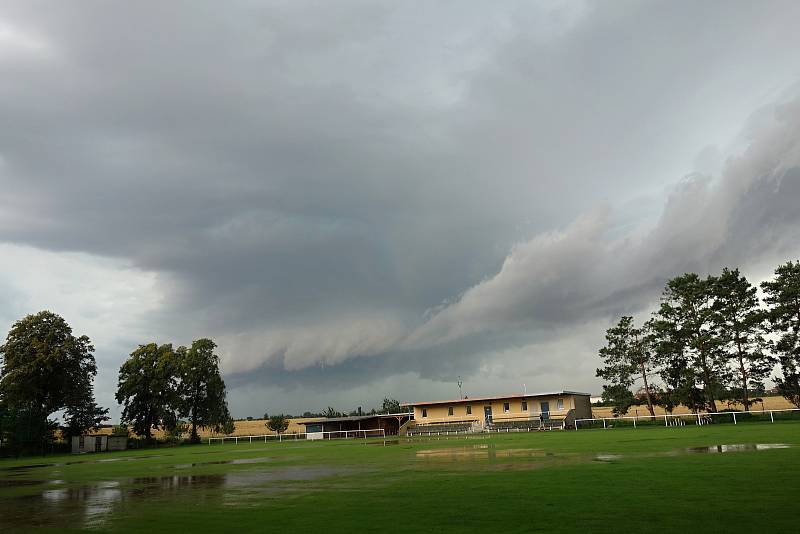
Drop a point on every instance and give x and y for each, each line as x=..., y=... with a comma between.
x=499, y=397
x=348, y=418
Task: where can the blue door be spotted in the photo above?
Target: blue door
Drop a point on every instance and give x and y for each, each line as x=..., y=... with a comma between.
x=487, y=415
x=545, y=410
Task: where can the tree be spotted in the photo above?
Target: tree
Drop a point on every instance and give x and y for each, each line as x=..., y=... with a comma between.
x=782, y=295
x=147, y=389
x=47, y=369
x=740, y=326
x=686, y=322
x=330, y=412
x=228, y=427
x=390, y=405
x=278, y=423
x=627, y=357
x=201, y=388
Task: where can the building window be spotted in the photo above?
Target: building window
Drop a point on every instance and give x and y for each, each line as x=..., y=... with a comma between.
x=524, y=406
x=424, y=412
x=469, y=409
x=449, y=410
x=560, y=404
x=505, y=407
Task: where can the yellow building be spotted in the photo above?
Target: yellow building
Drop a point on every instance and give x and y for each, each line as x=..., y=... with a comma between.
x=520, y=411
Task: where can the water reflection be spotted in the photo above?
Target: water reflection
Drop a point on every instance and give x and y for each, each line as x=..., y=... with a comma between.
x=484, y=451
x=737, y=447
x=89, y=506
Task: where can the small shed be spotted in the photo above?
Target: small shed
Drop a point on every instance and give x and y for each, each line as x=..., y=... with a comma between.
x=98, y=443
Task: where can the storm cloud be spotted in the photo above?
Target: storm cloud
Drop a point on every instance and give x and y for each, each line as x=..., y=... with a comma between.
x=359, y=199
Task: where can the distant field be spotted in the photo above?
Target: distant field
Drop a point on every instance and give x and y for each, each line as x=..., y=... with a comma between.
x=770, y=403
x=618, y=480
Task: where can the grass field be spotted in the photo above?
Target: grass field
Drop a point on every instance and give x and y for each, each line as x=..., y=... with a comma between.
x=620, y=480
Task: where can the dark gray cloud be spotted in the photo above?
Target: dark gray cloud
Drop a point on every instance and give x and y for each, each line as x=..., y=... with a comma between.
x=344, y=192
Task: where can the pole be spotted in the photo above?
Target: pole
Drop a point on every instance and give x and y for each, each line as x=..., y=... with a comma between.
x=771, y=419
x=734, y=417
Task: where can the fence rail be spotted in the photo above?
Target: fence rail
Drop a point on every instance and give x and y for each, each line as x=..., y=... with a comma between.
x=336, y=434
x=704, y=418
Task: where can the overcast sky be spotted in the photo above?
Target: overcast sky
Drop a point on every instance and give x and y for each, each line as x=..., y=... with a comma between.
x=368, y=199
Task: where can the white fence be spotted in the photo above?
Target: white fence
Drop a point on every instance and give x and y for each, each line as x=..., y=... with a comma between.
x=338, y=434
x=690, y=418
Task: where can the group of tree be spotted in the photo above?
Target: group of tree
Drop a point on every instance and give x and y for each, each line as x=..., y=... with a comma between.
x=46, y=370
x=710, y=340
x=160, y=386
x=47, y=384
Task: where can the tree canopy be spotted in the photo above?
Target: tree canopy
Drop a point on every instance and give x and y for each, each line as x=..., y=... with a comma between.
x=201, y=388
x=148, y=389
x=782, y=295
x=45, y=369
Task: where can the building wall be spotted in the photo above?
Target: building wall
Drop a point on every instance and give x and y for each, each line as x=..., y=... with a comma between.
x=438, y=413
x=583, y=407
x=89, y=444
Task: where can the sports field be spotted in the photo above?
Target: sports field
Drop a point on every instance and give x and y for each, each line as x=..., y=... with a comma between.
x=714, y=478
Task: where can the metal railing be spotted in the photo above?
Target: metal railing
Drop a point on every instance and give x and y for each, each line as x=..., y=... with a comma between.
x=336, y=434
x=701, y=418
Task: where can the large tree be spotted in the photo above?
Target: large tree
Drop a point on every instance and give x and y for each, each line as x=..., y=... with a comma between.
x=627, y=358
x=45, y=369
x=201, y=389
x=782, y=295
x=148, y=389
x=740, y=328
x=686, y=319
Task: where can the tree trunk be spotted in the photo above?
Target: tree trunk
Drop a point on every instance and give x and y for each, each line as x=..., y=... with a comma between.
x=743, y=371
x=708, y=382
x=647, y=389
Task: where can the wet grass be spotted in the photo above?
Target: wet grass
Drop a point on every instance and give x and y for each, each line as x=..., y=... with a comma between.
x=650, y=479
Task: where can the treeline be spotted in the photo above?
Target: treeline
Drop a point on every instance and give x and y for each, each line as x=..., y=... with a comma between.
x=45, y=370
x=711, y=339
x=279, y=423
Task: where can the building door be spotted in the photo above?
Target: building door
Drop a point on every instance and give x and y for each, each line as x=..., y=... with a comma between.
x=487, y=415
x=98, y=444
x=545, y=409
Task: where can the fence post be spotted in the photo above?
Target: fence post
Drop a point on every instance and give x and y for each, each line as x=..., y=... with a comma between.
x=771, y=419
x=280, y=437
x=665, y=420
x=634, y=422
x=698, y=419
x=604, y=423
x=734, y=417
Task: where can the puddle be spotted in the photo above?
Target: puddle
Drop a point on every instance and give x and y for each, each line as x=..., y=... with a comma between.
x=238, y=461
x=477, y=452
x=16, y=483
x=737, y=447
x=78, y=462
x=89, y=505
x=607, y=457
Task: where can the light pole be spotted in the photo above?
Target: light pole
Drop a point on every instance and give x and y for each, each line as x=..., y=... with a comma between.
x=460, y=382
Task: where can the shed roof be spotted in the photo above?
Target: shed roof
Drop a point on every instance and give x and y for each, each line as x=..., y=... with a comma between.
x=349, y=418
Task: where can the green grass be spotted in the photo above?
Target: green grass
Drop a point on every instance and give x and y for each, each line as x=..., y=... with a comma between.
x=527, y=482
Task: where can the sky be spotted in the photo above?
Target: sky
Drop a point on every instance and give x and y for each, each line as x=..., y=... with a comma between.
x=362, y=199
